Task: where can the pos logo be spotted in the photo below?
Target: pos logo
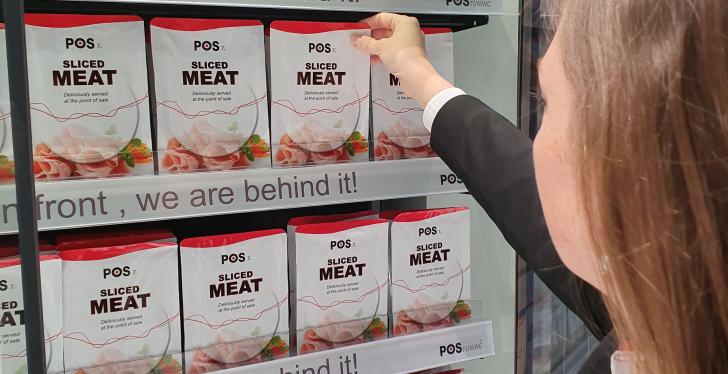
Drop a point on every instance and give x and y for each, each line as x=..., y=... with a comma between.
x=451, y=349
x=206, y=45
x=320, y=48
x=341, y=244
x=117, y=272
x=457, y=2
x=233, y=257
x=449, y=179
x=79, y=43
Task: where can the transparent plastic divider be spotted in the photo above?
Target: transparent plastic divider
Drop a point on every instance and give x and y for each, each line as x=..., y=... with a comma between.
x=231, y=354
x=360, y=336
x=133, y=162
x=341, y=334
x=170, y=363
x=435, y=317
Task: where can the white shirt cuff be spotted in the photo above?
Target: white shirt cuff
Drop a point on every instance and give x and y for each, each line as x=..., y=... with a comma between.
x=436, y=103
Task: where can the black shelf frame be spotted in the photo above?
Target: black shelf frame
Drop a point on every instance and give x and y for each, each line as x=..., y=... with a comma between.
x=13, y=11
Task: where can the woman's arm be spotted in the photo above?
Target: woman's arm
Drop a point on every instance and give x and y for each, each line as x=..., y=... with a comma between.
x=495, y=162
x=490, y=155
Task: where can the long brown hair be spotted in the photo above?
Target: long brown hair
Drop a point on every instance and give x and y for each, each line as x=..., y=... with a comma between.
x=652, y=135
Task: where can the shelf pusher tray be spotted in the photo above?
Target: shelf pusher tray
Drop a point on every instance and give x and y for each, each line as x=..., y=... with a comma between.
x=107, y=201
x=469, y=338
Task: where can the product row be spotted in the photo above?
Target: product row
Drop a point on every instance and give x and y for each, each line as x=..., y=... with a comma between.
x=136, y=302
x=210, y=106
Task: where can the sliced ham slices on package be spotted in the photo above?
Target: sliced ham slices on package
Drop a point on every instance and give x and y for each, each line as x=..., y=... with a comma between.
x=212, y=101
x=121, y=309
x=341, y=283
x=319, y=93
x=7, y=165
x=235, y=299
x=12, y=323
x=398, y=128
x=89, y=93
x=430, y=260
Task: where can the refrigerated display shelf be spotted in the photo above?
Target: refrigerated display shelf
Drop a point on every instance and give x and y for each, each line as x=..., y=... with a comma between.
x=93, y=202
x=459, y=7
x=405, y=354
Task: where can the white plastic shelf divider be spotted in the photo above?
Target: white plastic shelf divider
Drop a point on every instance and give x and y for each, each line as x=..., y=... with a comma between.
x=460, y=7
x=80, y=203
x=405, y=354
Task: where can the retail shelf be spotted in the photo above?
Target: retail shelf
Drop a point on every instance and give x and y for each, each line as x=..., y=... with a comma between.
x=79, y=203
x=461, y=7
x=406, y=354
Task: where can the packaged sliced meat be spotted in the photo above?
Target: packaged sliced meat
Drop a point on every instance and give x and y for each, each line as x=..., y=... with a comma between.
x=121, y=309
x=7, y=164
x=430, y=260
x=211, y=92
x=235, y=299
x=293, y=224
x=342, y=283
x=319, y=93
x=397, y=118
x=12, y=324
x=89, y=96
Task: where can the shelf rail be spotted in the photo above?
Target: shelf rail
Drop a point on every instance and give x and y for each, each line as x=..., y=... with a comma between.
x=14, y=11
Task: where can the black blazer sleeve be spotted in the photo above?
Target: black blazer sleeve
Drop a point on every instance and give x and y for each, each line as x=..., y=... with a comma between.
x=495, y=161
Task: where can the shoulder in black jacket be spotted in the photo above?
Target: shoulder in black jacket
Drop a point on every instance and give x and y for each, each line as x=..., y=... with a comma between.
x=495, y=161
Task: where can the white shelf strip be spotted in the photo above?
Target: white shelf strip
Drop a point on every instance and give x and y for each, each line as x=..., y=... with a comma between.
x=80, y=203
x=404, y=354
x=457, y=7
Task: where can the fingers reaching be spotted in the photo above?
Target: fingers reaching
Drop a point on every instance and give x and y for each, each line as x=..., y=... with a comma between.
x=381, y=33
x=368, y=44
x=382, y=21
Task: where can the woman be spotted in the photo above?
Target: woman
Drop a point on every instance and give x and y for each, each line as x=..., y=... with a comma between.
x=631, y=165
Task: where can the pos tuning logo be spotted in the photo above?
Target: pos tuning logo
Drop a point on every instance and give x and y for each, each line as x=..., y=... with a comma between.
x=473, y=3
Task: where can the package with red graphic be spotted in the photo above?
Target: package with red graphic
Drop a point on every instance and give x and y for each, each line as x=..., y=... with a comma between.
x=235, y=299
x=109, y=236
x=89, y=96
x=7, y=165
x=397, y=118
x=9, y=247
x=121, y=309
x=430, y=260
x=212, y=101
x=12, y=345
x=309, y=220
x=319, y=93
x=341, y=291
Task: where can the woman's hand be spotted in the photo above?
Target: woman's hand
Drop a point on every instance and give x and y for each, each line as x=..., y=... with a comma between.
x=399, y=43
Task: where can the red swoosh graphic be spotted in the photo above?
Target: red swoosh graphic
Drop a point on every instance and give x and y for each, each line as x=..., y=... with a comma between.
x=292, y=107
x=383, y=104
x=23, y=352
x=83, y=338
x=313, y=301
x=199, y=318
x=174, y=106
x=43, y=108
x=403, y=284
